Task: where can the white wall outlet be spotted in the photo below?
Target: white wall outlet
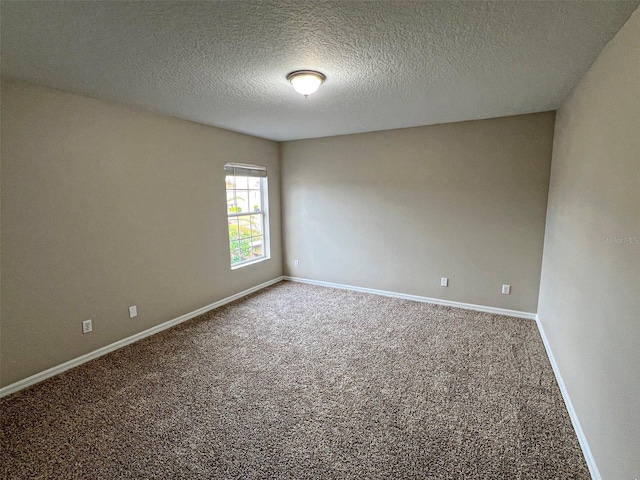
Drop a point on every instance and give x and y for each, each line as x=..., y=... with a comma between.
x=87, y=326
x=444, y=282
x=296, y=263
x=506, y=289
x=133, y=311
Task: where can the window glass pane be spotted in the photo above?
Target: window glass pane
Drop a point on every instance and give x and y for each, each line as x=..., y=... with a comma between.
x=231, y=201
x=254, y=182
x=256, y=224
x=244, y=226
x=245, y=249
x=256, y=247
x=255, y=201
x=230, y=182
x=234, y=248
x=233, y=229
x=241, y=182
x=242, y=201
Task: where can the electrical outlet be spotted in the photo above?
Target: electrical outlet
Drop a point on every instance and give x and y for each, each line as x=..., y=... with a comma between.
x=506, y=289
x=444, y=282
x=133, y=311
x=296, y=263
x=87, y=326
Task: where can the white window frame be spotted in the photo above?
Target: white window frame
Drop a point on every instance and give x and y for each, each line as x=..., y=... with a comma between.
x=259, y=171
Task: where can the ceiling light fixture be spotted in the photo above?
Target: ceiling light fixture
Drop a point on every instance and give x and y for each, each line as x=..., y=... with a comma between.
x=306, y=82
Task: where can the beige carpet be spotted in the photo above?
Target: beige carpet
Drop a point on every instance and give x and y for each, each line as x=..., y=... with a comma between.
x=304, y=382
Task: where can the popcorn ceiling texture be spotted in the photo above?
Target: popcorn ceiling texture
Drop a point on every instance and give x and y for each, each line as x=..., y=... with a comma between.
x=388, y=64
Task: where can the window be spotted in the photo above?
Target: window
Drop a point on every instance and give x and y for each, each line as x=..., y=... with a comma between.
x=247, y=216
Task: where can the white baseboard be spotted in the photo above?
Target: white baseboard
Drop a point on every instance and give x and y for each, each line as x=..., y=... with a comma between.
x=50, y=372
x=417, y=298
x=38, y=377
x=584, y=445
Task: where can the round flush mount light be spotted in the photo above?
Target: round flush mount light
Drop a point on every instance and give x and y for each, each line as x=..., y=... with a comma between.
x=306, y=82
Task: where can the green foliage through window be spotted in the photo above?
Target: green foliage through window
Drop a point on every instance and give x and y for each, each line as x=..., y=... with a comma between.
x=246, y=218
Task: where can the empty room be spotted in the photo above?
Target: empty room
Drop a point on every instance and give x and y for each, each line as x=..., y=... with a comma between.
x=290, y=239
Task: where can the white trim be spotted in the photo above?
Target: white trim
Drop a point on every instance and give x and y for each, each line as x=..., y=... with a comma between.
x=50, y=372
x=586, y=451
x=246, y=263
x=417, y=298
x=584, y=445
x=38, y=377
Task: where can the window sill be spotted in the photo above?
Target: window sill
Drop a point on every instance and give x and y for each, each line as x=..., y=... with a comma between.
x=250, y=262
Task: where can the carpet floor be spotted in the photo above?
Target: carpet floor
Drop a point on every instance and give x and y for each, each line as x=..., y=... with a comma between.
x=304, y=382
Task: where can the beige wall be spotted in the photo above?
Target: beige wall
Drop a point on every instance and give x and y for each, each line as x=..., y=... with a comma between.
x=590, y=289
x=103, y=207
x=397, y=210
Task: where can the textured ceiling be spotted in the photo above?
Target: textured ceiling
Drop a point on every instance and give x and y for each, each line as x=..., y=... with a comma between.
x=388, y=64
